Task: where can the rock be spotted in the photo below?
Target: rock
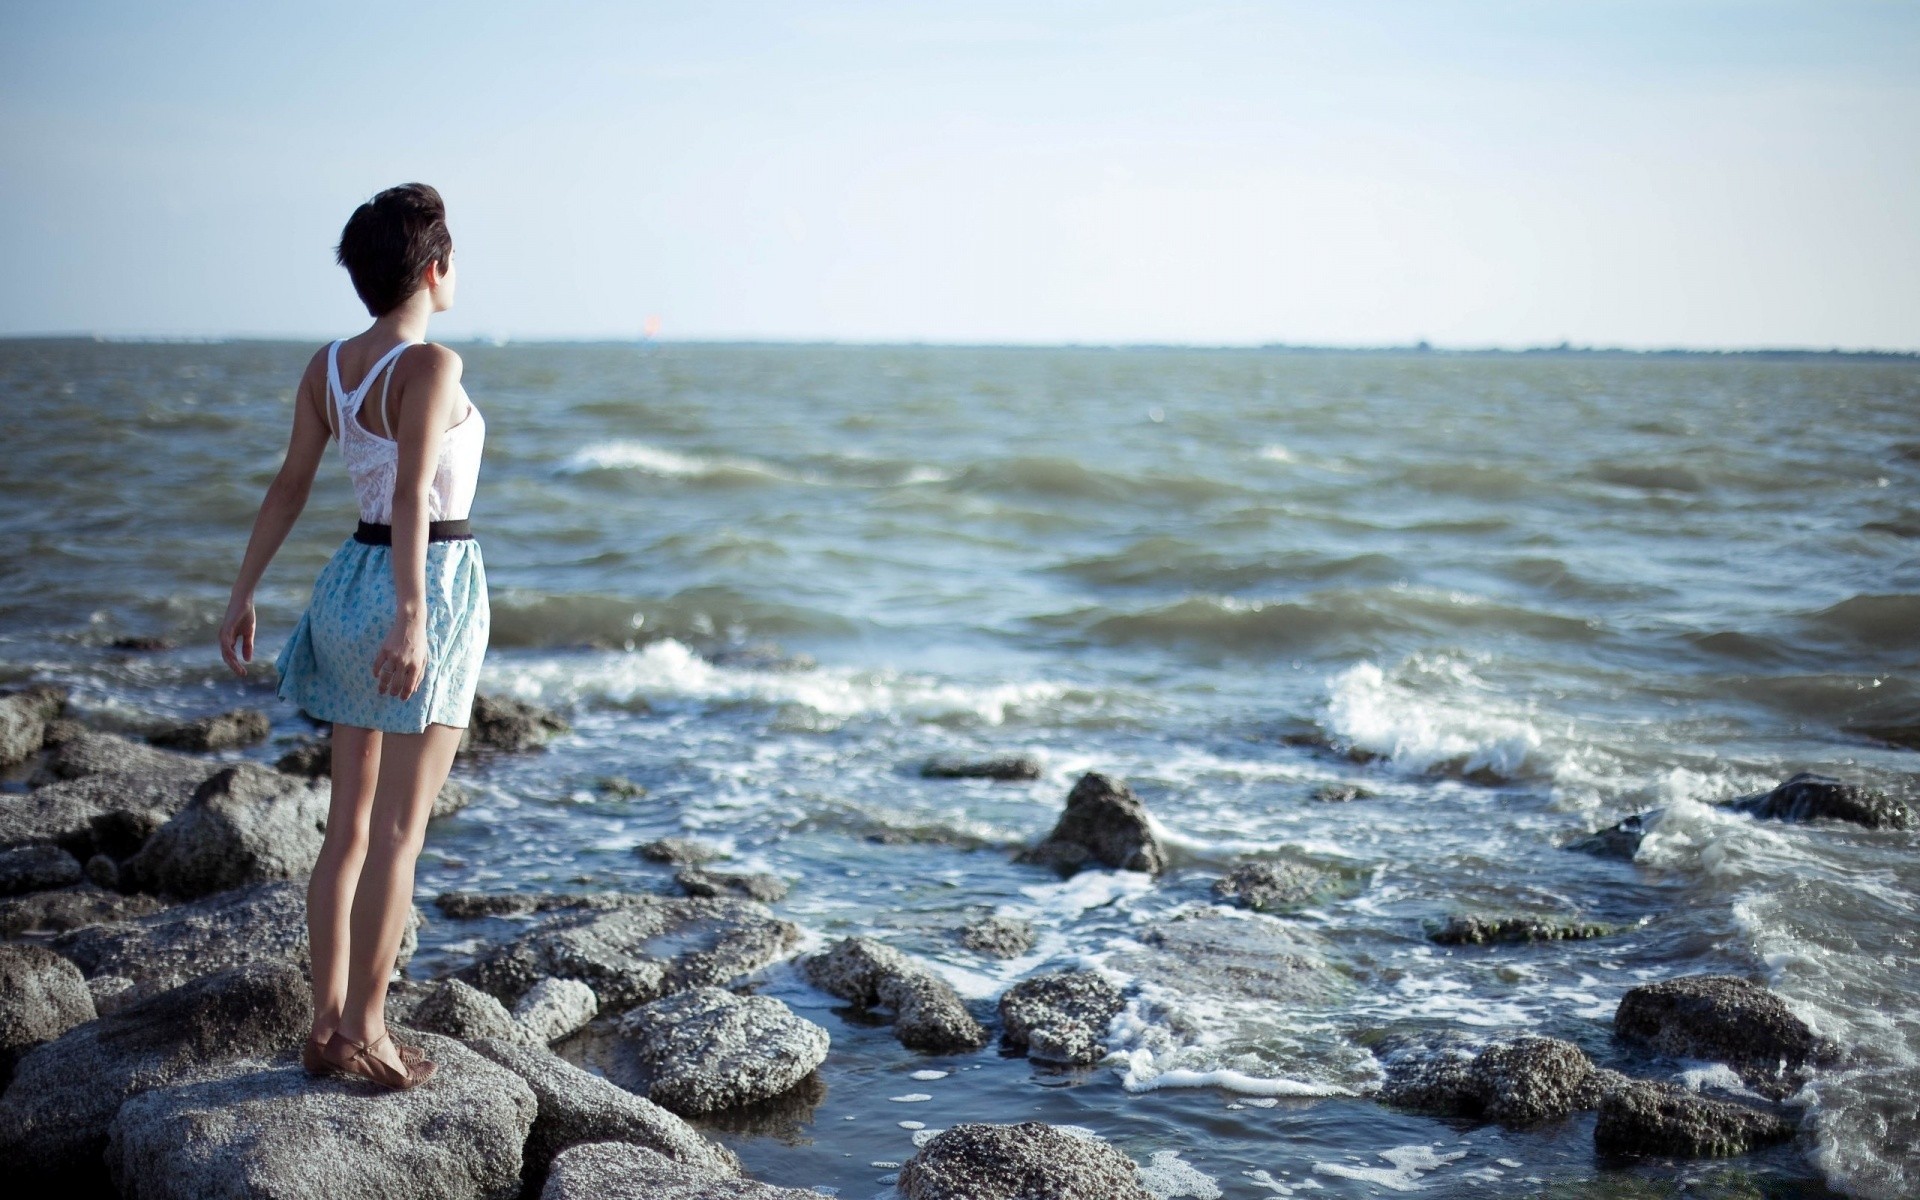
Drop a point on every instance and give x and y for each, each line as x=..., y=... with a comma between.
x=508, y=725
x=998, y=937
x=619, y=786
x=1653, y=1118
x=35, y=867
x=79, y=752
x=1104, y=823
x=139, y=643
x=71, y=908
x=1431, y=1075
x=927, y=1013
x=54, y=1117
x=759, y=656
x=23, y=720
x=1518, y=1083
x=1340, y=793
x=459, y=1010
x=1003, y=767
x=677, y=850
x=102, y=871
x=1060, y=1018
x=1019, y=1162
x=245, y=824
x=1809, y=797
x=313, y=759
x=649, y=947
x=42, y=995
x=1722, y=1018
x=100, y=793
x=1273, y=887
x=576, y=1106
x=265, y=922
x=1483, y=931
x=621, y=1171
x=707, y=1049
x=265, y=1129
x=111, y=993
x=1619, y=840
x=1219, y=952
x=554, y=1008
x=225, y=731
x=765, y=888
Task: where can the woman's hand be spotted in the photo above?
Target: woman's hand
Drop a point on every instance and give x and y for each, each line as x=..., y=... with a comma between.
x=402, y=660
x=236, y=634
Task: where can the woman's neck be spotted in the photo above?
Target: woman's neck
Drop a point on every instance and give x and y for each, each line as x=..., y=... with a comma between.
x=408, y=323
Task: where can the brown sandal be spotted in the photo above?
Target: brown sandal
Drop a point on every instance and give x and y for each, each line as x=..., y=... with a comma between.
x=377, y=1070
x=313, y=1056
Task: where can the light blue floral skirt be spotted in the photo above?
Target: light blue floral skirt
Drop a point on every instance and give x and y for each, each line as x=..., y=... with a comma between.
x=326, y=667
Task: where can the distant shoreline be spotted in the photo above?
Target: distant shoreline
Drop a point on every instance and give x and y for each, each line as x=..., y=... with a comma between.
x=1418, y=349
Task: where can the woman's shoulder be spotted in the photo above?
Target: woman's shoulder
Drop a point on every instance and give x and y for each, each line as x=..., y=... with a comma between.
x=431, y=360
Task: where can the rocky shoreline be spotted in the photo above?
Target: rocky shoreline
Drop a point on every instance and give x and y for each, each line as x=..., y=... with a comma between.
x=153, y=998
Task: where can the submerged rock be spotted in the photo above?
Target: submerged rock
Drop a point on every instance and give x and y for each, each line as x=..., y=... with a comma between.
x=649, y=946
x=554, y=1008
x=928, y=1014
x=1619, y=840
x=575, y=1106
x=1484, y=931
x=245, y=824
x=71, y=908
x=1340, y=793
x=510, y=726
x=1656, y=1118
x=1019, y=1162
x=998, y=937
x=1722, y=1018
x=23, y=720
x=1003, y=767
x=42, y=995
x=708, y=1049
x=1060, y=1018
x=54, y=1117
x=1810, y=797
x=258, y=1128
x=765, y=888
x=1104, y=823
x=224, y=731
x=681, y=851
x=1219, y=952
x=620, y=1171
x=35, y=867
x=1273, y=886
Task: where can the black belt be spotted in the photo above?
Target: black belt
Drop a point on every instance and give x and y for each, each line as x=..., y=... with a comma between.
x=437, y=531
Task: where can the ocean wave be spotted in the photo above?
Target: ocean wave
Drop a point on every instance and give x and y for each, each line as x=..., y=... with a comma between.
x=1885, y=621
x=1173, y=562
x=1068, y=478
x=1435, y=716
x=529, y=618
x=646, y=458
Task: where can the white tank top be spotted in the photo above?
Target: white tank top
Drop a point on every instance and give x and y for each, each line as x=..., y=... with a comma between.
x=373, y=461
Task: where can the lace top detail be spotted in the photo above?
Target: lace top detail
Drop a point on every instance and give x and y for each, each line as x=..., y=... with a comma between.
x=373, y=461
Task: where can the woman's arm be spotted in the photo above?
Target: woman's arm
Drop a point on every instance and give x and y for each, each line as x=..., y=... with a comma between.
x=286, y=497
x=427, y=401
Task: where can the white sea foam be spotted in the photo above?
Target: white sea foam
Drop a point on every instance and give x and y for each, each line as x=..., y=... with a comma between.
x=627, y=455
x=1169, y=1177
x=1138, y=1074
x=1409, y=1164
x=1275, y=452
x=1427, y=723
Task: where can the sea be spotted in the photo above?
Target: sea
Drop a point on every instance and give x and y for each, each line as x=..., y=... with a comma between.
x=1504, y=599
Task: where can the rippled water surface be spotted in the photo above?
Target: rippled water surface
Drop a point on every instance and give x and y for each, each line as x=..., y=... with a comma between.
x=1513, y=597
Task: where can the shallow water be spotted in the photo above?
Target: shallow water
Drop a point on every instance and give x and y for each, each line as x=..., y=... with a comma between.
x=1536, y=593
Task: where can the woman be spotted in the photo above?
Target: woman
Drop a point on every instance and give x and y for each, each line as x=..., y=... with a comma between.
x=390, y=646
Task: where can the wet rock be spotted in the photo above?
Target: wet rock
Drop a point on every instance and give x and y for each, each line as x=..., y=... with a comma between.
x=765, y=888
x=1431, y=1075
x=1341, y=793
x=1809, y=797
x=707, y=1049
x=998, y=937
x=509, y=726
x=554, y=1008
x=467, y=905
x=927, y=1013
x=575, y=1106
x=1273, y=886
x=683, y=851
x=1019, y=1162
x=140, y=644
x=313, y=759
x=265, y=922
x=54, y=1117
x=1619, y=840
x=1722, y=1018
x=1220, y=952
x=1640, y=1117
x=650, y=947
x=621, y=1171
x=1060, y=1018
x=23, y=720
x=224, y=731
x=619, y=786
x=71, y=908
x=258, y=1128
x=1485, y=931
x=1003, y=767
x=42, y=995
x=458, y=1010
x=1518, y=1083
x=35, y=867
x=759, y=656
x=245, y=824
x=1104, y=823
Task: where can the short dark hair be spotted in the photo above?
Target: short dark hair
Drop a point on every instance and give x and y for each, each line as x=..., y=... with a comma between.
x=389, y=241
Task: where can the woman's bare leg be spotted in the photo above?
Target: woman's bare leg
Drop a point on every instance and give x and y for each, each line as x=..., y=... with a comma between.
x=413, y=766
x=356, y=765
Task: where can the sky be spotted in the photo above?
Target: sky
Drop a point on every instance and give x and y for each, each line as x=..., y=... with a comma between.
x=1674, y=174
